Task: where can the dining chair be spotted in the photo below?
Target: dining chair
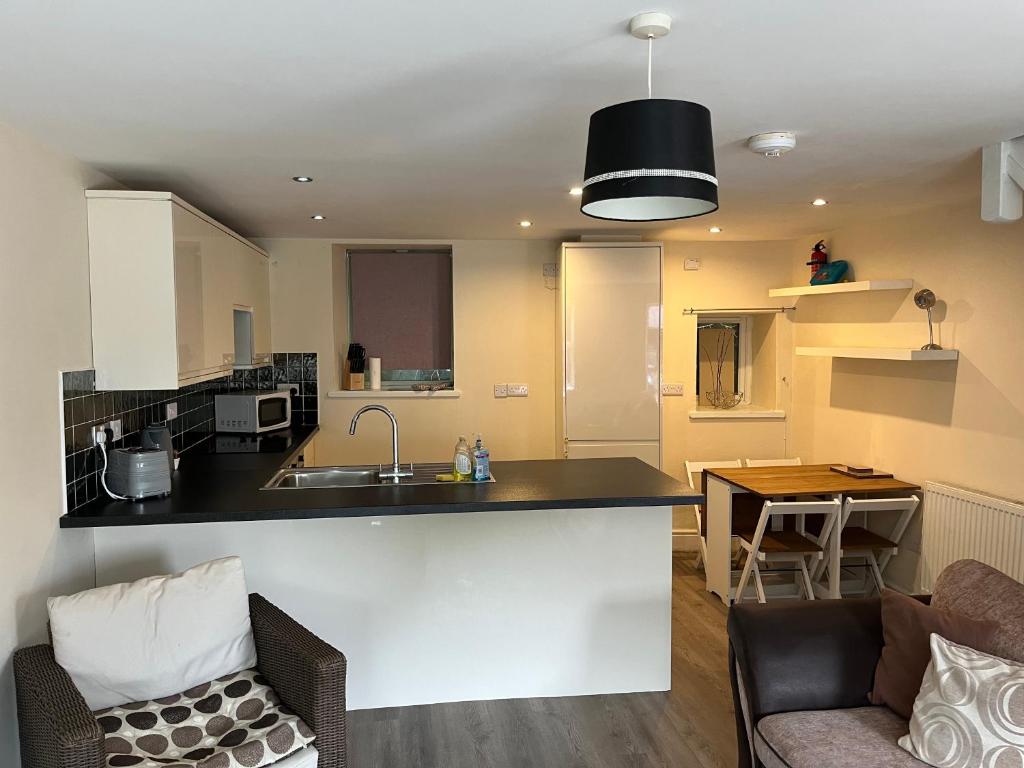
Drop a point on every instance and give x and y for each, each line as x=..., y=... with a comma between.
x=877, y=550
x=783, y=546
x=794, y=462
x=694, y=470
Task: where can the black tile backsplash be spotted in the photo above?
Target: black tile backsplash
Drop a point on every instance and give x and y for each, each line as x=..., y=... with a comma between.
x=84, y=407
x=299, y=369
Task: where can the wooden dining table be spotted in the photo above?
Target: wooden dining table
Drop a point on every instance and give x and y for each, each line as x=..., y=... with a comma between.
x=722, y=487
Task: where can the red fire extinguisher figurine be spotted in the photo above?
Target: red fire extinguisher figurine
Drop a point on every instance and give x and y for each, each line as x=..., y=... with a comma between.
x=819, y=257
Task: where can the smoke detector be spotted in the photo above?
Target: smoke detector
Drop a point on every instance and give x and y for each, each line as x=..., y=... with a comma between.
x=774, y=144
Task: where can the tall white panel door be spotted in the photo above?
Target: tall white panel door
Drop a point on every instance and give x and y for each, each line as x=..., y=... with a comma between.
x=612, y=330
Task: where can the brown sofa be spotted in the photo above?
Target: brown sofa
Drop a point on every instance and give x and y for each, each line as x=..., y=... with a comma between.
x=801, y=672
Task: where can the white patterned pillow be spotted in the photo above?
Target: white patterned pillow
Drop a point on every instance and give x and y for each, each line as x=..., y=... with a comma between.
x=969, y=712
x=235, y=721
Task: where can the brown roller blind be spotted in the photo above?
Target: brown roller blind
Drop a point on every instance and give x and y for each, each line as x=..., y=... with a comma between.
x=401, y=307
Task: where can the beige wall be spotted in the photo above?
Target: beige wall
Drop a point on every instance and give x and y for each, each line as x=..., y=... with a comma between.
x=44, y=313
x=960, y=422
x=504, y=332
x=731, y=275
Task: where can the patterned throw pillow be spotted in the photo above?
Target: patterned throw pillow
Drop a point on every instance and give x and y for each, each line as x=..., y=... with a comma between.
x=236, y=721
x=970, y=710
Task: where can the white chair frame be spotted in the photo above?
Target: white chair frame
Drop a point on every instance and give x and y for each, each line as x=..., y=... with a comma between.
x=776, y=509
x=794, y=462
x=694, y=469
x=906, y=506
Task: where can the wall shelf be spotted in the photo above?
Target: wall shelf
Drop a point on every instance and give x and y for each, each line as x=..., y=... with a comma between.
x=740, y=412
x=879, y=353
x=854, y=287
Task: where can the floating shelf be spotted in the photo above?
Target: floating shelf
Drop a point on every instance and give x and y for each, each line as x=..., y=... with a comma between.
x=855, y=287
x=879, y=353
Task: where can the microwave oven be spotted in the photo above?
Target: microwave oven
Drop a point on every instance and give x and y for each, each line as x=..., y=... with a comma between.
x=252, y=411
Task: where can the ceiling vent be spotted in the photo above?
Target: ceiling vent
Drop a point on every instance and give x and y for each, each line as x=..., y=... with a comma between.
x=774, y=144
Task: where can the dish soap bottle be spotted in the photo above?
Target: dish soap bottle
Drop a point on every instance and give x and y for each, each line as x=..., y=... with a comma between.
x=462, y=464
x=481, y=462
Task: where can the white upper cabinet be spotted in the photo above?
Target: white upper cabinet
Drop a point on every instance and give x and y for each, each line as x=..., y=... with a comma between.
x=611, y=298
x=166, y=280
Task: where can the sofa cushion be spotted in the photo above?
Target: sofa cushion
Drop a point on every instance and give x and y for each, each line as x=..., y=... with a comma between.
x=906, y=627
x=236, y=721
x=970, y=710
x=837, y=738
x=981, y=592
x=156, y=636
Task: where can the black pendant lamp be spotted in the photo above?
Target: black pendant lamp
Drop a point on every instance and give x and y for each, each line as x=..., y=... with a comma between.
x=651, y=159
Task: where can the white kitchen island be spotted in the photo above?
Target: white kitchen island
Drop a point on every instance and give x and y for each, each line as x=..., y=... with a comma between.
x=458, y=605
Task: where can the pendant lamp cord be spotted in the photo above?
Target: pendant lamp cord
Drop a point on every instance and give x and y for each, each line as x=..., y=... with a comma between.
x=650, y=56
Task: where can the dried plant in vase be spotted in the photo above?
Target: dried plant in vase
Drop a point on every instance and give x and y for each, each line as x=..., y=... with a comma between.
x=718, y=397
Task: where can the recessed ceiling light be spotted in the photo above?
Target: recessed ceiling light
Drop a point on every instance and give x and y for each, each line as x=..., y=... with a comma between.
x=715, y=230
x=524, y=223
x=819, y=201
x=302, y=179
x=318, y=217
x=576, y=191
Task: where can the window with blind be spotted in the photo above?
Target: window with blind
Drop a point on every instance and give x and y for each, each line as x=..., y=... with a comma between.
x=400, y=310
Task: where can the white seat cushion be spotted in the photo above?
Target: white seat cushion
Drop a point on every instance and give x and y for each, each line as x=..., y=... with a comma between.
x=236, y=721
x=304, y=758
x=156, y=636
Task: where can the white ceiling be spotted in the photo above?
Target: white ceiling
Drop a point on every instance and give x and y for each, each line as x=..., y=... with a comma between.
x=452, y=119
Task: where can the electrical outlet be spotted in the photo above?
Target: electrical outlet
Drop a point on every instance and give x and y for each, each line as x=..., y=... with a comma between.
x=115, y=429
x=552, y=269
x=691, y=265
x=518, y=390
x=171, y=411
x=671, y=390
x=95, y=430
x=284, y=387
x=501, y=390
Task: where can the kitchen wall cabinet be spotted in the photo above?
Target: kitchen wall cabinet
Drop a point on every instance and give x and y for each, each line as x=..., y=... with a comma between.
x=166, y=279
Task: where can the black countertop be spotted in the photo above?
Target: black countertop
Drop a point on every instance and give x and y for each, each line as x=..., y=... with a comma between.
x=215, y=487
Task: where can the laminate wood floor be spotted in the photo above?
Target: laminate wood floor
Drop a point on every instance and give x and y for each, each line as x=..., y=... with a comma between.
x=691, y=725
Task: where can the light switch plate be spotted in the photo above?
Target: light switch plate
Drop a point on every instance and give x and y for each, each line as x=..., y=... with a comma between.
x=518, y=390
x=671, y=390
x=171, y=412
x=691, y=265
x=501, y=390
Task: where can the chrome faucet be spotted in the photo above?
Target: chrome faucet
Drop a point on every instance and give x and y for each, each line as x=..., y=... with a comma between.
x=396, y=469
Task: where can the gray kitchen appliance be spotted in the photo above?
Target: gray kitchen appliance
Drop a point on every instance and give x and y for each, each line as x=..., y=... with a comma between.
x=158, y=436
x=138, y=473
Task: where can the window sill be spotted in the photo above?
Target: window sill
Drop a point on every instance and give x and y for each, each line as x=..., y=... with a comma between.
x=740, y=412
x=389, y=394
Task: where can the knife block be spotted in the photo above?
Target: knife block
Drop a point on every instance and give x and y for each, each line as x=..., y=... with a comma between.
x=351, y=381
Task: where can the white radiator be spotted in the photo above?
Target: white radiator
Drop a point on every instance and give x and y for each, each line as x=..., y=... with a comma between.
x=960, y=523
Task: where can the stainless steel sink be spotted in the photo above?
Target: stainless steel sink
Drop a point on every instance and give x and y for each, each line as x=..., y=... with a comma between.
x=353, y=477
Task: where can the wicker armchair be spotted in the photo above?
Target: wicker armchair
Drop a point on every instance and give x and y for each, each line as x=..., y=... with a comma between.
x=58, y=730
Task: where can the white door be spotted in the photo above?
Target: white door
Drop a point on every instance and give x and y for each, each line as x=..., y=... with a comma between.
x=612, y=327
